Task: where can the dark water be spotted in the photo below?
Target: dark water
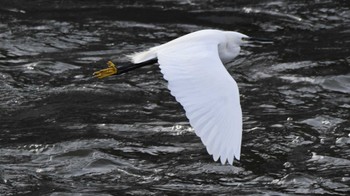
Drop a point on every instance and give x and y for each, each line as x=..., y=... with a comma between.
x=65, y=133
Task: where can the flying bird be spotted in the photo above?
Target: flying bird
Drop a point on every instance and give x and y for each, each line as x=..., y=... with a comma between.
x=194, y=67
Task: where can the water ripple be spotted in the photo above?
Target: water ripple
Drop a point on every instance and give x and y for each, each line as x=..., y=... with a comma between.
x=66, y=133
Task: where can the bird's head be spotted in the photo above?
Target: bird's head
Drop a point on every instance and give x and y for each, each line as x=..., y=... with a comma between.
x=236, y=38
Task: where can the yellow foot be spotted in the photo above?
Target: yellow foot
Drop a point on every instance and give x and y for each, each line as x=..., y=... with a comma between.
x=111, y=70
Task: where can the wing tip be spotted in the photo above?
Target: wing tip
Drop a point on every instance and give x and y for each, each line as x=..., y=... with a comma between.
x=224, y=160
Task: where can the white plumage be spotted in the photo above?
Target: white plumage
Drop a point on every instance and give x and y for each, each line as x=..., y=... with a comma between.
x=193, y=66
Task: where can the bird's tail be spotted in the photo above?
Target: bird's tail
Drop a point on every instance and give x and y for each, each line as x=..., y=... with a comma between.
x=143, y=56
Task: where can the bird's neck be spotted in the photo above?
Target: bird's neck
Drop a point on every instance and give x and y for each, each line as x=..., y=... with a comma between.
x=227, y=53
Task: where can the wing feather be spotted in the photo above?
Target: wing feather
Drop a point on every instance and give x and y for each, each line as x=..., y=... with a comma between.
x=199, y=81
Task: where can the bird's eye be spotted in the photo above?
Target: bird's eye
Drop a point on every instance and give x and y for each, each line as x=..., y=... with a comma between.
x=244, y=38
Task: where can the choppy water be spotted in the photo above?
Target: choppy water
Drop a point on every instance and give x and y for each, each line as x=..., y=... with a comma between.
x=65, y=133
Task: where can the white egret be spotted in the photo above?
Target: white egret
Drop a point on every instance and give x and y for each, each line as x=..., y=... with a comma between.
x=193, y=65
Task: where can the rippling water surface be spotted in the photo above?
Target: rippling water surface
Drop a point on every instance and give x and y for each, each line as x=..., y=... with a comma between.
x=64, y=133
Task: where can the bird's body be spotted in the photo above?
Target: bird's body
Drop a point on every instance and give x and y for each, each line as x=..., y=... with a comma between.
x=227, y=52
x=193, y=66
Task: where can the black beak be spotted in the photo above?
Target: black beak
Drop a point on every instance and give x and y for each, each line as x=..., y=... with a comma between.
x=257, y=39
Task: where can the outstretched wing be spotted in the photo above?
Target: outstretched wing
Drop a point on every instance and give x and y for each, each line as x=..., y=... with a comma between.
x=200, y=82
